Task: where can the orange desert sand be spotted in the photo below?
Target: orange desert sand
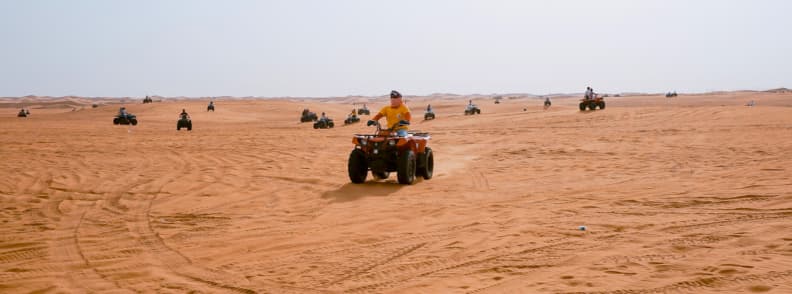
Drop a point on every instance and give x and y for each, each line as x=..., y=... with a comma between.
x=687, y=194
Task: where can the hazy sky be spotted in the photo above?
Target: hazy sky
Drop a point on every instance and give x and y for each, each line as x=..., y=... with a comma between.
x=338, y=48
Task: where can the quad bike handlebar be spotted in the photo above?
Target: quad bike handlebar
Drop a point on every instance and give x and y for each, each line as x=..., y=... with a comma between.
x=380, y=132
x=400, y=123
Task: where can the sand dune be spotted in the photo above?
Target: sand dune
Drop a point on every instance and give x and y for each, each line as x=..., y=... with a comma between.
x=689, y=194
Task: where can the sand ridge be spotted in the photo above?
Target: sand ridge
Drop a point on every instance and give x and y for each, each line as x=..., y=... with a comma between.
x=686, y=194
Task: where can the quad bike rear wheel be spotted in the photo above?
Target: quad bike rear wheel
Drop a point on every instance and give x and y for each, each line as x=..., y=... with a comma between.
x=357, y=166
x=405, y=167
x=602, y=105
x=425, y=164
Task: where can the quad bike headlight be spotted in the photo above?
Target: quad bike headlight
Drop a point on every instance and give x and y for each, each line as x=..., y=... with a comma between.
x=363, y=142
x=392, y=143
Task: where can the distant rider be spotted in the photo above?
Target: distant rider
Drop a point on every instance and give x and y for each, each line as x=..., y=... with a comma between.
x=122, y=112
x=429, y=108
x=396, y=112
x=184, y=114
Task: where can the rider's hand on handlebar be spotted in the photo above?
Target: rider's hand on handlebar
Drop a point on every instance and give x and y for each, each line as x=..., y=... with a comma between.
x=404, y=123
x=371, y=122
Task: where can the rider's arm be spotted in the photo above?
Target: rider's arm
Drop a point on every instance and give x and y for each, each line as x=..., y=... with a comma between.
x=407, y=116
x=378, y=116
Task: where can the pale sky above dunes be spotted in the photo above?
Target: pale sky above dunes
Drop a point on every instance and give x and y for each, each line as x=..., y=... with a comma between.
x=338, y=48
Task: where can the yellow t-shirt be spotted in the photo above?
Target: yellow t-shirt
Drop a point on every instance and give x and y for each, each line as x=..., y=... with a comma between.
x=394, y=115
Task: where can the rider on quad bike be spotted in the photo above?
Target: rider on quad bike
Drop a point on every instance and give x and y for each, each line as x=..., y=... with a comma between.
x=429, y=114
x=352, y=118
x=393, y=149
x=394, y=113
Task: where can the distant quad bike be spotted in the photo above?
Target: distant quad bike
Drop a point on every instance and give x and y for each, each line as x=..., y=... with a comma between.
x=429, y=115
x=472, y=109
x=363, y=111
x=351, y=120
x=128, y=119
x=385, y=152
x=592, y=104
x=23, y=113
x=671, y=94
x=324, y=123
x=308, y=116
x=547, y=104
x=210, y=108
x=184, y=122
x=147, y=100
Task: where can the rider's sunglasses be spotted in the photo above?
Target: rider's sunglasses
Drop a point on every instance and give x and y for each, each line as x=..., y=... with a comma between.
x=395, y=97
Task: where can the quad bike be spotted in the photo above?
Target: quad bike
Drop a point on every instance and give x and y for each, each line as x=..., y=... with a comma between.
x=592, y=103
x=671, y=94
x=308, y=116
x=148, y=100
x=23, y=113
x=384, y=152
x=351, y=120
x=363, y=111
x=128, y=119
x=184, y=122
x=547, y=104
x=429, y=115
x=210, y=108
x=472, y=109
x=324, y=123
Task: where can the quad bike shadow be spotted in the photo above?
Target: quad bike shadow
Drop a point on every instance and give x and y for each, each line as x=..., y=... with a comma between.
x=352, y=192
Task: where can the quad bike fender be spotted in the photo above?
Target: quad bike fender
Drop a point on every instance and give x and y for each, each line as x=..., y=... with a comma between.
x=402, y=142
x=417, y=146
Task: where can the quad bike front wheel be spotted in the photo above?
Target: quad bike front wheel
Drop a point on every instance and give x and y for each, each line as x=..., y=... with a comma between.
x=405, y=167
x=357, y=166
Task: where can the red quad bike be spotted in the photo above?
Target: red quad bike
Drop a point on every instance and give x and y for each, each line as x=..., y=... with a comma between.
x=385, y=152
x=592, y=103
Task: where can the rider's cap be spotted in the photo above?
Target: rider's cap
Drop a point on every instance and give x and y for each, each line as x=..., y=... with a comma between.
x=395, y=94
